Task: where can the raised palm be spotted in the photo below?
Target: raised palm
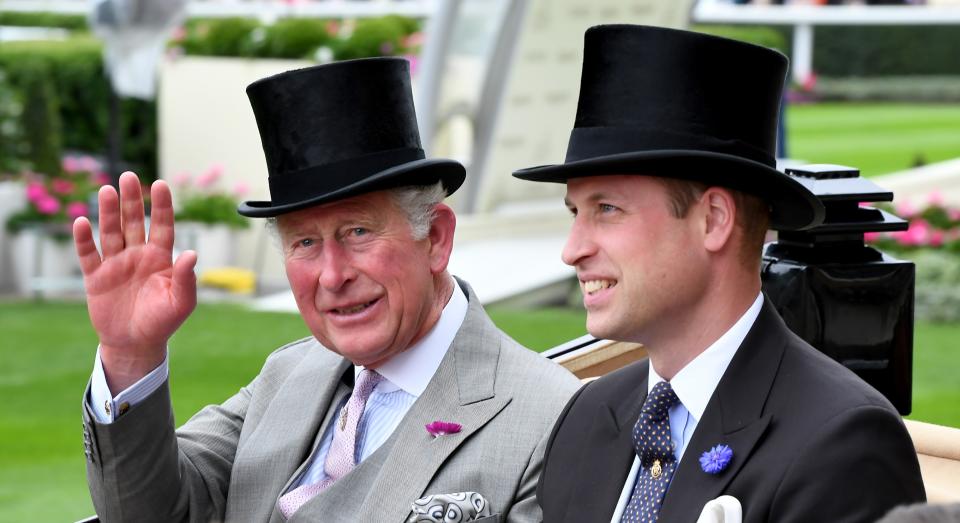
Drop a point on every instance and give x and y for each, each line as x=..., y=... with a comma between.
x=137, y=296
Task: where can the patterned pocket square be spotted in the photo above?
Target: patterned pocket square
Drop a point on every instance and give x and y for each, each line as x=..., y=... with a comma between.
x=449, y=508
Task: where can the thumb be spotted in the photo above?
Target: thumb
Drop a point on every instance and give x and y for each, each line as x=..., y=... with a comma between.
x=184, y=280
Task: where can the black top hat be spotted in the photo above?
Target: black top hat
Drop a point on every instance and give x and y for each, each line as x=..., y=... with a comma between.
x=339, y=130
x=684, y=105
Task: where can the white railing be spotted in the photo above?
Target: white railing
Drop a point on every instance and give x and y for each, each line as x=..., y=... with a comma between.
x=269, y=9
x=803, y=18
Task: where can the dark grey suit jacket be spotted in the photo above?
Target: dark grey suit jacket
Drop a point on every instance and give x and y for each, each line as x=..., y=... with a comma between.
x=811, y=441
x=232, y=461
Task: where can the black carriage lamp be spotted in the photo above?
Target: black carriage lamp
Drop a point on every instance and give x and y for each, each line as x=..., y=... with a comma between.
x=849, y=300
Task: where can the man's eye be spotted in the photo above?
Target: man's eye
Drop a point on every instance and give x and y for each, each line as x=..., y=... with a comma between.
x=606, y=207
x=306, y=242
x=358, y=231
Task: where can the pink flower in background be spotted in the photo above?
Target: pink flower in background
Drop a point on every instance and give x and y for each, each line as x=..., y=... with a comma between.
x=240, y=189
x=935, y=198
x=178, y=34
x=954, y=214
x=48, y=205
x=333, y=27
x=70, y=165
x=413, y=40
x=36, y=191
x=871, y=236
x=210, y=177
x=77, y=209
x=918, y=234
x=905, y=209
x=414, y=63
x=61, y=186
x=88, y=164
x=936, y=239
x=101, y=178
x=180, y=180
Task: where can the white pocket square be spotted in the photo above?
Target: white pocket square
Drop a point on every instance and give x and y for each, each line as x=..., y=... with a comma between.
x=449, y=508
x=725, y=509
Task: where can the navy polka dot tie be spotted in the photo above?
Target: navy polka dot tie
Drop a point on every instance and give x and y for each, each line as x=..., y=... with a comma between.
x=652, y=442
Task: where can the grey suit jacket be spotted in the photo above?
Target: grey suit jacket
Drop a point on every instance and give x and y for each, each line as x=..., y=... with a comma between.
x=233, y=461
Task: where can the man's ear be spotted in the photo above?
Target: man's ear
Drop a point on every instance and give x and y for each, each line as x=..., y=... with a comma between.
x=720, y=211
x=441, y=237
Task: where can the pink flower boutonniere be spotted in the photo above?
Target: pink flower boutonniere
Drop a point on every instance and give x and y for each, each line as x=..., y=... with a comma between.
x=442, y=428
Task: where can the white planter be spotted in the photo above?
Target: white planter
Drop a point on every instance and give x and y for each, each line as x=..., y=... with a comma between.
x=44, y=266
x=214, y=244
x=13, y=198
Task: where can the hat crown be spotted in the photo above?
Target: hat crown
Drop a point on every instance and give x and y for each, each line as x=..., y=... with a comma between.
x=332, y=113
x=674, y=89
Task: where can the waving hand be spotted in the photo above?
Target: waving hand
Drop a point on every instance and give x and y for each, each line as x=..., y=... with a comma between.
x=137, y=296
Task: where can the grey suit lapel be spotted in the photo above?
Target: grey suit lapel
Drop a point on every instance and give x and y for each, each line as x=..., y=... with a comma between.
x=462, y=391
x=285, y=435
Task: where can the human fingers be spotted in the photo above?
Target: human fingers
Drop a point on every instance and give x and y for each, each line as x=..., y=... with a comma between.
x=161, y=216
x=86, y=248
x=184, y=279
x=111, y=239
x=131, y=209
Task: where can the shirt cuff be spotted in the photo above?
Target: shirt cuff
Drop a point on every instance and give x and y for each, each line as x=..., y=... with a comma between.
x=107, y=408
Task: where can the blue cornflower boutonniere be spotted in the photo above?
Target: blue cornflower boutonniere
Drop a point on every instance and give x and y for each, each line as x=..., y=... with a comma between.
x=715, y=460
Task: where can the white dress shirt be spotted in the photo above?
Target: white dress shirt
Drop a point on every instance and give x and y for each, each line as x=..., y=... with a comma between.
x=694, y=385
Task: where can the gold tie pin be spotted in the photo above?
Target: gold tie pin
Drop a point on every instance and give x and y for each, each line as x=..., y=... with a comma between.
x=656, y=469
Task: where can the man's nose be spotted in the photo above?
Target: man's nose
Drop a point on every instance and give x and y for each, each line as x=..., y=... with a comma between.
x=335, y=267
x=579, y=245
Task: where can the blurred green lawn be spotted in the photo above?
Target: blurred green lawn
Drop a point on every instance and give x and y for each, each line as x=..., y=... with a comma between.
x=46, y=353
x=878, y=138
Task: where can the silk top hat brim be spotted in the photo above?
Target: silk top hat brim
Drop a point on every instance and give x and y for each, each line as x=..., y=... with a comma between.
x=670, y=103
x=339, y=130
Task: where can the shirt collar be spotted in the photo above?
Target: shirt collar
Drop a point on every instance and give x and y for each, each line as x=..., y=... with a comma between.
x=412, y=369
x=695, y=383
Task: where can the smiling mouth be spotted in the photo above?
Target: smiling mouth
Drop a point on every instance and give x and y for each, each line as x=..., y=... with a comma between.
x=354, y=309
x=592, y=286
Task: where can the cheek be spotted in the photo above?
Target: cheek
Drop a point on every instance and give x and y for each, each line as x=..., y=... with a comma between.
x=301, y=278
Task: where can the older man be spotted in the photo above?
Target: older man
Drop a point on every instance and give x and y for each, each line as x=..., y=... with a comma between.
x=406, y=402
x=671, y=181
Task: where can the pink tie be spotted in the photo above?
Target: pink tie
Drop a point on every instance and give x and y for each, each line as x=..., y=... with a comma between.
x=341, y=458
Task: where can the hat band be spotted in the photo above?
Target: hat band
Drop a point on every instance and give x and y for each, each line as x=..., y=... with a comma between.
x=592, y=142
x=319, y=180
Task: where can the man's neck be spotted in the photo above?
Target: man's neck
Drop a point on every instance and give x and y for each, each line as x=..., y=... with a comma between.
x=693, y=333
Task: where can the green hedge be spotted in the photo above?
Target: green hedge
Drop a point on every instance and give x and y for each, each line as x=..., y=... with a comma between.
x=298, y=37
x=75, y=71
x=865, y=51
x=43, y=19
x=871, y=51
x=759, y=35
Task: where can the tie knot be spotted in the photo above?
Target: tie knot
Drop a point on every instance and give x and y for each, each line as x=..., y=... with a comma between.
x=367, y=380
x=661, y=398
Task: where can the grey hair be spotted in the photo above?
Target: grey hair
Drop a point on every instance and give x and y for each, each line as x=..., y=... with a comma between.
x=418, y=203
